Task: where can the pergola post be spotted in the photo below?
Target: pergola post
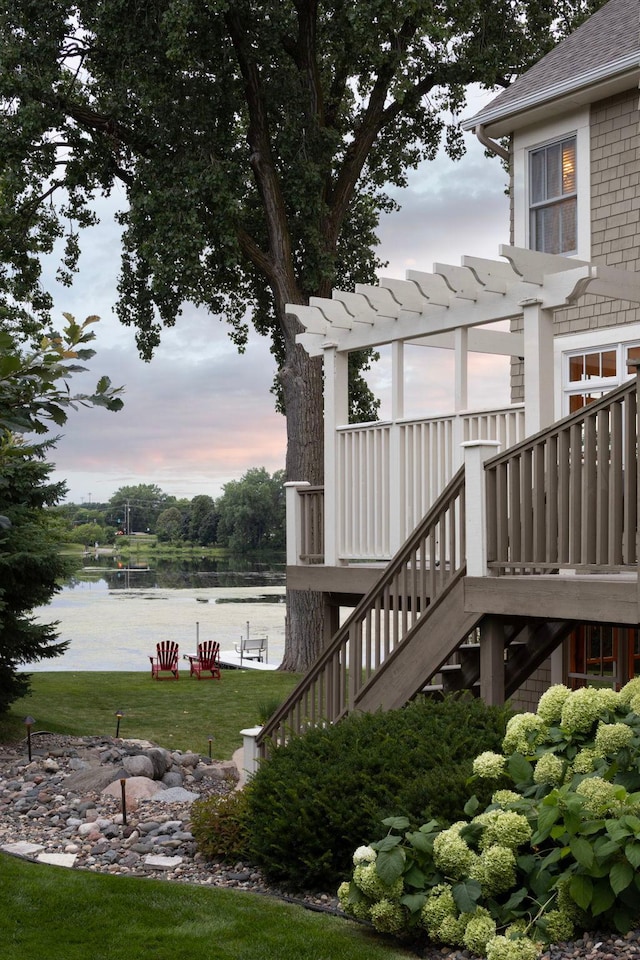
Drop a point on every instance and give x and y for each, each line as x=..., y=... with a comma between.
x=336, y=412
x=538, y=366
x=395, y=506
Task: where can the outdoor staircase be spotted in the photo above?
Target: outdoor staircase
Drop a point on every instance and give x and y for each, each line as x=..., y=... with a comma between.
x=564, y=500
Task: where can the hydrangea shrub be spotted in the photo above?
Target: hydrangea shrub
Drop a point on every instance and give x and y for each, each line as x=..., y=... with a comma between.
x=555, y=852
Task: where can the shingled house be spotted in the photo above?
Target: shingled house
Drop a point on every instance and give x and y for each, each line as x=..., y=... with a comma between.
x=494, y=550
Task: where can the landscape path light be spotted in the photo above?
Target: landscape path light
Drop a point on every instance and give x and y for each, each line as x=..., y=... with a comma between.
x=119, y=716
x=123, y=790
x=210, y=745
x=29, y=722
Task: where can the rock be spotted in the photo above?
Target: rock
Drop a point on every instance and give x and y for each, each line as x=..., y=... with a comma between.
x=95, y=779
x=172, y=779
x=136, y=789
x=155, y=862
x=139, y=766
x=161, y=760
x=175, y=795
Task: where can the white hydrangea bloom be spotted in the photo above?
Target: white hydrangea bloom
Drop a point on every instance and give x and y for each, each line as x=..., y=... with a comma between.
x=549, y=769
x=552, y=702
x=612, y=737
x=364, y=855
x=489, y=765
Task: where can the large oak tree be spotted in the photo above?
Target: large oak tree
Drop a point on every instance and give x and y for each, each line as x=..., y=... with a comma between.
x=253, y=141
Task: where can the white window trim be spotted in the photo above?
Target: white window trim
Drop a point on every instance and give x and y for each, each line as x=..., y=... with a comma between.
x=570, y=344
x=524, y=142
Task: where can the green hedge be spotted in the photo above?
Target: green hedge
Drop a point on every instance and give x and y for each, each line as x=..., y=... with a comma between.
x=317, y=798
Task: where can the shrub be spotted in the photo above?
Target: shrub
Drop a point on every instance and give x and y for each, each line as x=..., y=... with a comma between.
x=558, y=852
x=320, y=795
x=220, y=826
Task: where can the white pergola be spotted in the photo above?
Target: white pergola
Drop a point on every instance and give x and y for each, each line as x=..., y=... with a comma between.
x=449, y=308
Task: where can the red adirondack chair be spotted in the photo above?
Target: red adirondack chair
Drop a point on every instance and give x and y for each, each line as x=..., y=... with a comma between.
x=164, y=666
x=205, y=665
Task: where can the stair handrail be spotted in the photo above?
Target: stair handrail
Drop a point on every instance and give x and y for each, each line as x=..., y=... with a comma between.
x=332, y=671
x=566, y=497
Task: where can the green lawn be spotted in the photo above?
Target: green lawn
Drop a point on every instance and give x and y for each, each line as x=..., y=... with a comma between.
x=49, y=913
x=178, y=715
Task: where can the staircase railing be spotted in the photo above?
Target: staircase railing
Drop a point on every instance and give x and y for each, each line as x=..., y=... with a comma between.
x=567, y=497
x=432, y=556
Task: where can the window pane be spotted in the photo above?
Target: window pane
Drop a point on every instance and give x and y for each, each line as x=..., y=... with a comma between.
x=569, y=235
x=633, y=353
x=554, y=179
x=537, y=176
x=569, y=166
x=576, y=368
x=609, y=364
x=592, y=365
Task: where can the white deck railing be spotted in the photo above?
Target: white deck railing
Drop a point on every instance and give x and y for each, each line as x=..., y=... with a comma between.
x=389, y=474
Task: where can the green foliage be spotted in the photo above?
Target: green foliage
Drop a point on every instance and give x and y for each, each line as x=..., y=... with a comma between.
x=321, y=794
x=34, y=394
x=137, y=507
x=169, y=525
x=220, y=826
x=30, y=564
x=555, y=852
x=251, y=512
x=34, y=382
x=90, y=533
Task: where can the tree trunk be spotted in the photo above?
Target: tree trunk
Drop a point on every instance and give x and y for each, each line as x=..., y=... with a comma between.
x=302, y=382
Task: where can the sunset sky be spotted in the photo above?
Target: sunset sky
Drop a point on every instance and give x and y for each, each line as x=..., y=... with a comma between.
x=199, y=414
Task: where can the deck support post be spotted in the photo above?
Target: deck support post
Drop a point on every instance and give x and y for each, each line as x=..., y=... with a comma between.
x=475, y=454
x=492, y=661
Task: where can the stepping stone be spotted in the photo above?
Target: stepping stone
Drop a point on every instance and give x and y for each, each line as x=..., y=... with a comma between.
x=155, y=862
x=22, y=848
x=58, y=859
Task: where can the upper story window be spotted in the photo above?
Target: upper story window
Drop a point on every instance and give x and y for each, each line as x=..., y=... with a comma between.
x=553, y=197
x=551, y=189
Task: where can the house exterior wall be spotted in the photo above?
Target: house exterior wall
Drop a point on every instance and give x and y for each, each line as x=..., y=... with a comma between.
x=615, y=219
x=527, y=696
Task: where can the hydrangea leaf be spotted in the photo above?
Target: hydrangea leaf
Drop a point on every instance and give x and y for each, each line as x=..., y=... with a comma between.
x=390, y=864
x=603, y=898
x=621, y=876
x=396, y=823
x=581, y=889
x=413, y=901
x=632, y=853
x=582, y=851
x=520, y=768
x=467, y=895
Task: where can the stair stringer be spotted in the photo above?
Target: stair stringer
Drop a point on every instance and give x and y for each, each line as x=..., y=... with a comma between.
x=443, y=627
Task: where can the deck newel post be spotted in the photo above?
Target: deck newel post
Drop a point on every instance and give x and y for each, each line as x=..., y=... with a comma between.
x=538, y=366
x=476, y=452
x=293, y=510
x=395, y=504
x=336, y=412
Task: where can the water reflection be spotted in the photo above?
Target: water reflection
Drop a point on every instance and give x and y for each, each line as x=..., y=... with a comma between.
x=181, y=574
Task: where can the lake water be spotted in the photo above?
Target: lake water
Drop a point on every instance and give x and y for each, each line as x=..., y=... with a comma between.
x=114, y=621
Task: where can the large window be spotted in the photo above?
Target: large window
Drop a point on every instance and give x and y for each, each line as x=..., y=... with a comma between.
x=553, y=197
x=591, y=373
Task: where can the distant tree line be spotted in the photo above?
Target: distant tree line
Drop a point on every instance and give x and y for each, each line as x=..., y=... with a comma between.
x=248, y=516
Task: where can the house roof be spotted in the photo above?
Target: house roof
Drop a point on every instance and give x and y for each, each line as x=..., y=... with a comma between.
x=604, y=50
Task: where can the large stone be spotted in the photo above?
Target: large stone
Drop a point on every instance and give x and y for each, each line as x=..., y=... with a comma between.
x=94, y=780
x=157, y=862
x=175, y=795
x=139, y=766
x=161, y=760
x=22, y=848
x=136, y=789
x=58, y=859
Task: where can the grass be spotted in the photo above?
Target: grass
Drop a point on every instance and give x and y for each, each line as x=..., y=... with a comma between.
x=180, y=715
x=49, y=913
